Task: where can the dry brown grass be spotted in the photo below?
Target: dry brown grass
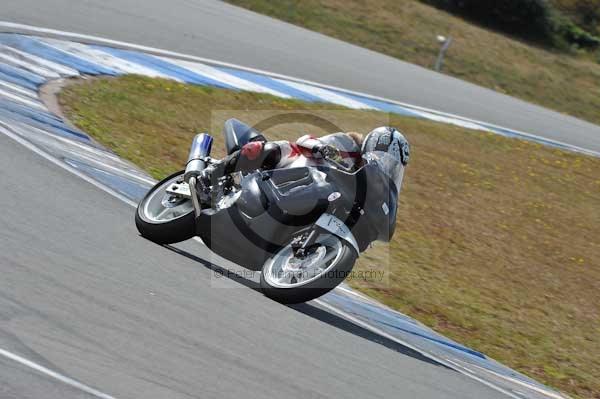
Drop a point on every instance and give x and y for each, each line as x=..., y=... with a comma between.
x=498, y=240
x=406, y=29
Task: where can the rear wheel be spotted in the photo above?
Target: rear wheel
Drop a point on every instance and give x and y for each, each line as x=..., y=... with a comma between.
x=163, y=217
x=289, y=279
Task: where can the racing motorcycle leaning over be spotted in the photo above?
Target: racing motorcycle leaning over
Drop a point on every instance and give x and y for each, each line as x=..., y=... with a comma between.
x=302, y=227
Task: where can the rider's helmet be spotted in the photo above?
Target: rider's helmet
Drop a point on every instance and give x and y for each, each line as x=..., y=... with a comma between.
x=389, y=149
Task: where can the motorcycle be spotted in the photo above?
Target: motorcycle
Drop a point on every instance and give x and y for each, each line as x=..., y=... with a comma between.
x=303, y=228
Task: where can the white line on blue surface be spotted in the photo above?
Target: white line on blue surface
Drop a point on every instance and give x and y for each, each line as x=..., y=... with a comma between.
x=53, y=66
x=224, y=77
x=85, y=152
x=25, y=101
x=31, y=67
x=19, y=90
x=325, y=95
x=103, y=58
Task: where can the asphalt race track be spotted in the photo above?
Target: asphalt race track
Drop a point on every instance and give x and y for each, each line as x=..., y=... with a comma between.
x=83, y=295
x=217, y=30
x=95, y=311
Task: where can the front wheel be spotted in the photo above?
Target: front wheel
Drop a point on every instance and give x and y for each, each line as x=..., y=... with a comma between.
x=289, y=279
x=165, y=218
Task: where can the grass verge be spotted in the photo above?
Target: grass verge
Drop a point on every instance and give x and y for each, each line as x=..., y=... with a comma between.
x=407, y=29
x=498, y=240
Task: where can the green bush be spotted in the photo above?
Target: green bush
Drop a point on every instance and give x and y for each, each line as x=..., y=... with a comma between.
x=532, y=19
x=577, y=36
x=584, y=13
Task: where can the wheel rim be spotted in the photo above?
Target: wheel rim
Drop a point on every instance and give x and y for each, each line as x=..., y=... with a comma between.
x=161, y=207
x=284, y=270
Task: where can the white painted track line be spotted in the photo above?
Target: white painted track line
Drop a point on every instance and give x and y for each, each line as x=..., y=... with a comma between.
x=6, y=130
x=22, y=100
x=437, y=359
x=53, y=374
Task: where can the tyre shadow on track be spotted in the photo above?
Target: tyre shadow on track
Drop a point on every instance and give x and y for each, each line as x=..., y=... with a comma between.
x=313, y=311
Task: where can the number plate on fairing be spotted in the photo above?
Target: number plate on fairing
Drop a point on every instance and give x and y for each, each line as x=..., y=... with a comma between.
x=338, y=228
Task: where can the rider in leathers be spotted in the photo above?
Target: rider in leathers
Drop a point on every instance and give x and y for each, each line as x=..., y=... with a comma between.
x=385, y=146
x=343, y=148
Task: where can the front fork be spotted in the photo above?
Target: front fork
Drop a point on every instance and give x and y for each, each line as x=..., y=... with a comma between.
x=194, y=195
x=197, y=162
x=326, y=222
x=303, y=242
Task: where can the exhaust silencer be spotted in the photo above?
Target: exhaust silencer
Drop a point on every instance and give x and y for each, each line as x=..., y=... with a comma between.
x=199, y=152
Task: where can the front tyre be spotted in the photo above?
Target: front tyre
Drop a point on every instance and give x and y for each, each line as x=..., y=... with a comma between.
x=288, y=279
x=165, y=218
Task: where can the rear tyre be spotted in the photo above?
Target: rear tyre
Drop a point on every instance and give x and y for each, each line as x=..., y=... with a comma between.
x=164, y=218
x=288, y=279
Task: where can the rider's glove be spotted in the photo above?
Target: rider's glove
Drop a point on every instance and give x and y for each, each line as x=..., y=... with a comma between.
x=329, y=152
x=315, y=148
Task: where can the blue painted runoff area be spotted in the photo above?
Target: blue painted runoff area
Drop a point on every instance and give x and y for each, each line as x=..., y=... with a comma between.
x=21, y=77
x=45, y=51
x=164, y=67
x=118, y=183
x=382, y=317
x=39, y=119
x=270, y=83
x=17, y=80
